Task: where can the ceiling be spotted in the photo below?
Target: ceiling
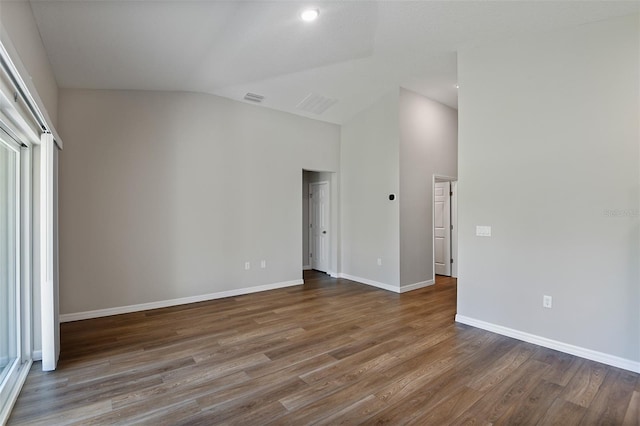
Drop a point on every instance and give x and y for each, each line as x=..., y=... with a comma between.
x=353, y=53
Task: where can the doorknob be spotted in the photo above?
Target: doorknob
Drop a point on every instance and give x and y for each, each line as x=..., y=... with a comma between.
x=324, y=232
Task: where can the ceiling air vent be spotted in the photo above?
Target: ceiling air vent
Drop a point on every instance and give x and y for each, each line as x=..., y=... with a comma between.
x=316, y=103
x=253, y=97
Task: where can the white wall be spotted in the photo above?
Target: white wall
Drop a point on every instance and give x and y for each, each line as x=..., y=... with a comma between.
x=166, y=195
x=369, y=156
x=428, y=146
x=549, y=157
x=17, y=19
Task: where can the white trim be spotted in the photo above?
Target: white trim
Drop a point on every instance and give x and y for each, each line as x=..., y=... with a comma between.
x=12, y=121
x=36, y=355
x=27, y=248
x=77, y=316
x=333, y=274
x=50, y=326
x=17, y=70
x=306, y=267
x=5, y=411
x=372, y=283
x=581, y=352
x=454, y=231
x=415, y=286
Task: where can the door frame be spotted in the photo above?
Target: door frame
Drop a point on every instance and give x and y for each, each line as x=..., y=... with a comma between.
x=454, y=221
x=23, y=297
x=454, y=231
x=310, y=230
x=333, y=177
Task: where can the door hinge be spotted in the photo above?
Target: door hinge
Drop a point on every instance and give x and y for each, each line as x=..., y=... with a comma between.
x=451, y=227
x=450, y=194
x=451, y=260
x=310, y=254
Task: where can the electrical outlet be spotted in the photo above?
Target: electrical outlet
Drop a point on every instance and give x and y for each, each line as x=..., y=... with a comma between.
x=546, y=301
x=483, y=231
x=247, y=266
x=263, y=264
x=379, y=262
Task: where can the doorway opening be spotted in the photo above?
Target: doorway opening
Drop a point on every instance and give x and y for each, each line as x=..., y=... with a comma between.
x=317, y=226
x=445, y=226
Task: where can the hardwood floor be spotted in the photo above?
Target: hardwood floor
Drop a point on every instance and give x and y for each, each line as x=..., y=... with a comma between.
x=329, y=352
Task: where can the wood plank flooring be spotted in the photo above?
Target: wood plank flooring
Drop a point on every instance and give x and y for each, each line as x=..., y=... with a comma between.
x=329, y=352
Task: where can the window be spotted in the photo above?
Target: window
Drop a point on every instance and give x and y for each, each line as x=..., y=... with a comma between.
x=11, y=335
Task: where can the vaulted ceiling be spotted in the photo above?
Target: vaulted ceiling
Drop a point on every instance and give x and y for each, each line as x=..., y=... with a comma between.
x=353, y=53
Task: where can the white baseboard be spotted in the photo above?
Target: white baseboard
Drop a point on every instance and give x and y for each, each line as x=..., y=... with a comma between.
x=36, y=355
x=581, y=352
x=415, y=286
x=173, y=302
x=333, y=274
x=370, y=282
x=306, y=267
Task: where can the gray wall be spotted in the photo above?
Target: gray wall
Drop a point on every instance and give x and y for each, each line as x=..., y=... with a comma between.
x=166, y=195
x=428, y=146
x=369, y=173
x=549, y=157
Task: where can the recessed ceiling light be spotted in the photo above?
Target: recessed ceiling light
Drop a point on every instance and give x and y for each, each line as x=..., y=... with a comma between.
x=310, y=15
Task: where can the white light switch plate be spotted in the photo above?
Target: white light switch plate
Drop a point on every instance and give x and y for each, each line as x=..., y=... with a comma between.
x=483, y=231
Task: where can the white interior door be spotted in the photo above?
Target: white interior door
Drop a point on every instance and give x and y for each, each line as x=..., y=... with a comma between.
x=319, y=225
x=442, y=228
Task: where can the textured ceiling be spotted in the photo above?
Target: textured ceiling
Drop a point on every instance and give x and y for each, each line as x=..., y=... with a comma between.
x=354, y=52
